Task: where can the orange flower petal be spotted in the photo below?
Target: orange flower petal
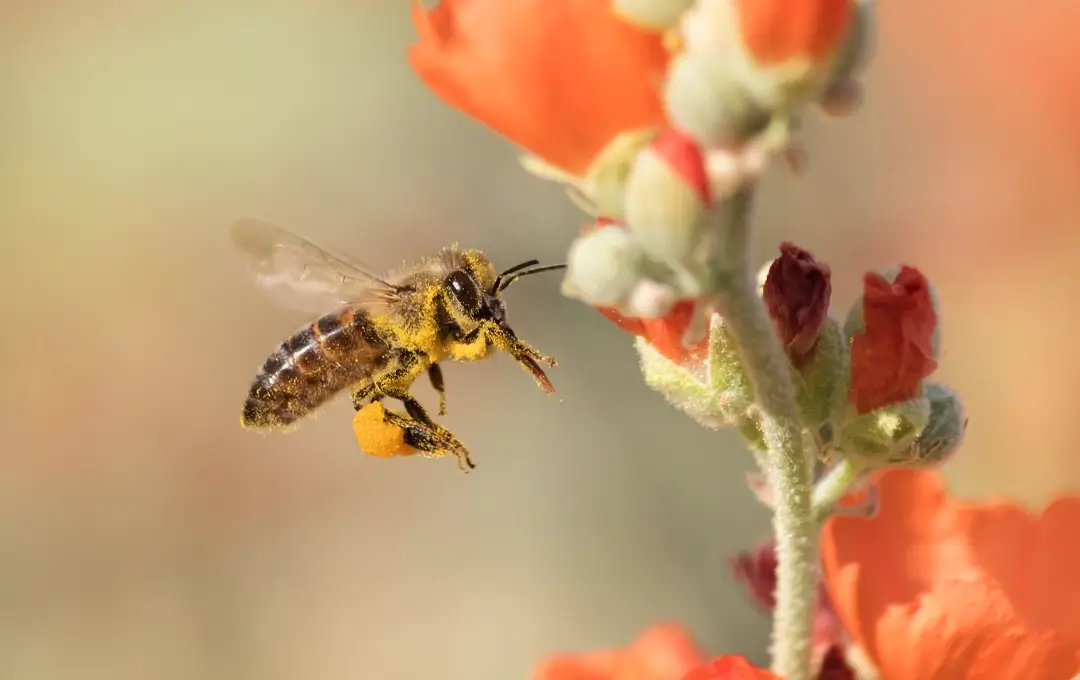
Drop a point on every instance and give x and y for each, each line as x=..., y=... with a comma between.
x=730, y=667
x=777, y=31
x=939, y=589
x=586, y=666
x=664, y=334
x=560, y=78
x=663, y=652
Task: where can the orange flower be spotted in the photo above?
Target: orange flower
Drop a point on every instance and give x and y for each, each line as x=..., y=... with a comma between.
x=663, y=652
x=894, y=352
x=730, y=667
x=779, y=31
x=935, y=588
x=560, y=78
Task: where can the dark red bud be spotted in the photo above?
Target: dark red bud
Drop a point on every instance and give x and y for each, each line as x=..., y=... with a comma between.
x=797, y=292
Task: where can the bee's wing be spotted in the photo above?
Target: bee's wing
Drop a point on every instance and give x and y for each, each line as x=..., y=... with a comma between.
x=301, y=275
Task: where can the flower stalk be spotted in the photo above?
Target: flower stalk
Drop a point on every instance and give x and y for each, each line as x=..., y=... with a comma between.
x=788, y=466
x=832, y=487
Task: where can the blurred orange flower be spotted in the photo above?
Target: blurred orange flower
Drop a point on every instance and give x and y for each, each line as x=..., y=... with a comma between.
x=894, y=352
x=935, y=588
x=778, y=31
x=560, y=78
x=730, y=667
x=663, y=652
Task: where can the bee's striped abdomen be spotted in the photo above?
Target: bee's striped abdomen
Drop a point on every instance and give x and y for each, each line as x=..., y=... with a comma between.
x=307, y=370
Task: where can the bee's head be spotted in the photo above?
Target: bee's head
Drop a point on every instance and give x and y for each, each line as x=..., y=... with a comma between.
x=468, y=301
x=472, y=294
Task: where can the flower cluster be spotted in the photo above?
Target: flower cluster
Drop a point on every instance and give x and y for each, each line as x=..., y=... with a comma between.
x=861, y=384
x=659, y=117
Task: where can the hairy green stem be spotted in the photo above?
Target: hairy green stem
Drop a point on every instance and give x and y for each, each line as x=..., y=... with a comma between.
x=789, y=469
x=832, y=487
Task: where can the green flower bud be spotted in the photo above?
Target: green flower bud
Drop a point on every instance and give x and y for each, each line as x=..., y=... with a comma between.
x=885, y=435
x=715, y=393
x=944, y=433
x=822, y=383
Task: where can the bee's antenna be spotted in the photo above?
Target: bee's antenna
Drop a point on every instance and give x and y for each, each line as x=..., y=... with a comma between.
x=497, y=286
x=506, y=284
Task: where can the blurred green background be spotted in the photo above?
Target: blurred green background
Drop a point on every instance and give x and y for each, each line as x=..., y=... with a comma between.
x=143, y=534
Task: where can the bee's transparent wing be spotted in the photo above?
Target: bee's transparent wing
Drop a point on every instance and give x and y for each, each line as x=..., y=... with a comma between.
x=300, y=275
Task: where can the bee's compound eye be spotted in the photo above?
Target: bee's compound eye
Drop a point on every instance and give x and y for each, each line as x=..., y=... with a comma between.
x=464, y=290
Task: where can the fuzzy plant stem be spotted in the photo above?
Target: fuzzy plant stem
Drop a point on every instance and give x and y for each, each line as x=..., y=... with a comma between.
x=832, y=487
x=788, y=468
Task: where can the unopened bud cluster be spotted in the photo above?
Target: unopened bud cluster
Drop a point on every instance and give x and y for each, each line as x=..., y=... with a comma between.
x=862, y=386
x=735, y=85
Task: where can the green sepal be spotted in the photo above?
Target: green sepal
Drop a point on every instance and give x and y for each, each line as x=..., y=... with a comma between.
x=715, y=392
x=822, y=384
x=886, y=435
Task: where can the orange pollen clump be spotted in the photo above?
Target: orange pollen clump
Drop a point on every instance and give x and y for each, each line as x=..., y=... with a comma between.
x=377, y=437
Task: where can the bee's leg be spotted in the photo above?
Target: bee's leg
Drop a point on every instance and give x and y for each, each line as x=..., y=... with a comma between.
x=529, y=358
x=363, y=396
x=436, y=377
x=424, y=434
x=399, y=371
x=429, y=435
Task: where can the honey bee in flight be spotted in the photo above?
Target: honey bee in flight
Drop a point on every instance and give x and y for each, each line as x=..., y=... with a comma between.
x=384, y=333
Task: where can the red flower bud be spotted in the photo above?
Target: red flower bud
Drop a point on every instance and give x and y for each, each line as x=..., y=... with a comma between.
x=797, y=292
x=894, y=352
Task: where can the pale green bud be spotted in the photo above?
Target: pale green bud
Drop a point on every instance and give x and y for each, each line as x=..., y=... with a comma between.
x=603, y=267
x=884, y=436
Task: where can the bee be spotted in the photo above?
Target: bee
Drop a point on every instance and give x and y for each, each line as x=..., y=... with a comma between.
x=384, y=333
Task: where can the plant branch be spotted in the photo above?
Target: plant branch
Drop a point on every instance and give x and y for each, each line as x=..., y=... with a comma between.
x=832, y=487
x=789, y=469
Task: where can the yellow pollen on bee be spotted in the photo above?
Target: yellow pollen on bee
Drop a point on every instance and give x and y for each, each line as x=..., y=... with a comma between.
x=377, y=437
x=477, y=349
